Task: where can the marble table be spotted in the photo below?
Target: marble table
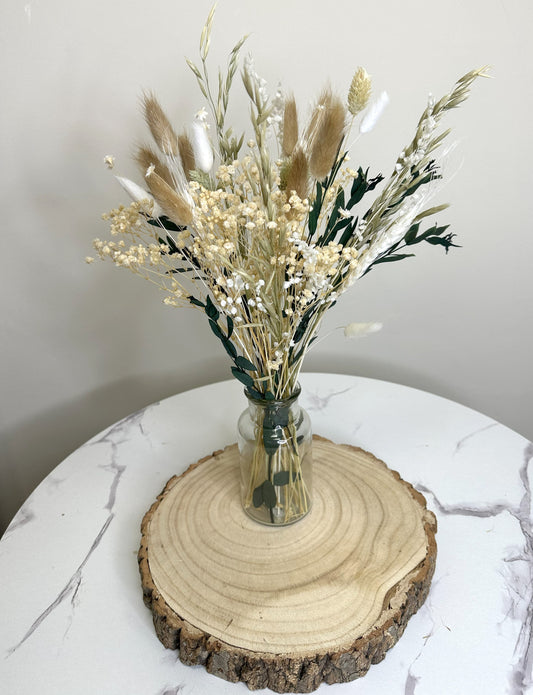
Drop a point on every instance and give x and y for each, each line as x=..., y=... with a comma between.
x=72, y=617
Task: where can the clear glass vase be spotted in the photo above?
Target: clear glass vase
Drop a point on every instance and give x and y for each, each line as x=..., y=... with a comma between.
x=275, y=445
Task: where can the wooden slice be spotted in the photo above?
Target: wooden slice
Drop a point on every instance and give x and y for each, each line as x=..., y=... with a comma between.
x=288, y=607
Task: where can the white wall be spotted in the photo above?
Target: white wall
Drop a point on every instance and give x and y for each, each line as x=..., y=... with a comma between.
x=83, y=346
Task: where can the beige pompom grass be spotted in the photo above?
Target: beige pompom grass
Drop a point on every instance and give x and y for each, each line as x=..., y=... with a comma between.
x=359, y=92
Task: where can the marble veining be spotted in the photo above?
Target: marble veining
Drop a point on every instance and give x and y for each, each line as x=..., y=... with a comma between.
x=114, y=436
x=319, y=402
x=411, y=683
x=519, y=580
x=109, y=635
x=69, y=590
x=427, y=611
x=461, y=443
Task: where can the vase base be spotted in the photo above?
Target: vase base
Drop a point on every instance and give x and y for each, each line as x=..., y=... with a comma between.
x=278, y=517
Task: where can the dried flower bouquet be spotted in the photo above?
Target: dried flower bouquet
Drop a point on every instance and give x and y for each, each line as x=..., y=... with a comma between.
x=265, y=242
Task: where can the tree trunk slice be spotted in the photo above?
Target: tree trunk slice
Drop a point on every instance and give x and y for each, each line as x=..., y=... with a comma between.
x=290, y=607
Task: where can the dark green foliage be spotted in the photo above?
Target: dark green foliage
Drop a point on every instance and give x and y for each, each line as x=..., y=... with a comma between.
x=392, y=257
x=243, y=363
x=361, y=185
x=165, y=223
x=230, y=348
x=229, y=322
x=211, y=310
x=281, y=478
x=169, y=241
x=265, y=494
x=195, y=301
x=258, y=496
x=315, y=212
x=302, y=326
x=434, y=236
x=275, y=423
x=216, y=330
x=336, y=222
x=243, y=377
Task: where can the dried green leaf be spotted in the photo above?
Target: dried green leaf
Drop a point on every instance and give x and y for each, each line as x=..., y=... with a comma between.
x=269, y=495
x=243, y=363
x=257, y=497
x=281, y=478
x=243, y=377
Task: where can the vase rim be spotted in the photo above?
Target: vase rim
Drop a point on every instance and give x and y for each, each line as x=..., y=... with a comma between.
x=275, y=401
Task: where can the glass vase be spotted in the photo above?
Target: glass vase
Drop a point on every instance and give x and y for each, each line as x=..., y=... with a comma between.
x=275, y=445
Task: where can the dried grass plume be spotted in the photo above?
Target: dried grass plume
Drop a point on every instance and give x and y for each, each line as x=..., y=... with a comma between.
x=173, y=204
x=298, y=174
x=147, y=158
x=328, y=137
x=290, y=126
x=186, y=154
x=160, y=127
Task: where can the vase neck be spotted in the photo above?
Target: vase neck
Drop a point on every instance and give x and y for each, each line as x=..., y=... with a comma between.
x=274, y=403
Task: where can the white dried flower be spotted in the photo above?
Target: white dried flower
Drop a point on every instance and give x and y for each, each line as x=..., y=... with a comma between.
x=374, y=112
x=201, y=115
x=360, y=330
x=138, y=194
x=203, y=153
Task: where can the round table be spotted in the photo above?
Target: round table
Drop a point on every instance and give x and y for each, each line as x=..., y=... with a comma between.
x=72, y=616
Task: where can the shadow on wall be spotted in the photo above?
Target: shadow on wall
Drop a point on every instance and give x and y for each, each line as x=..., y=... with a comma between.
x=34, y=449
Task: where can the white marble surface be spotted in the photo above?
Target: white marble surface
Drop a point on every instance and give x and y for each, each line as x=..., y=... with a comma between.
x=72, y=617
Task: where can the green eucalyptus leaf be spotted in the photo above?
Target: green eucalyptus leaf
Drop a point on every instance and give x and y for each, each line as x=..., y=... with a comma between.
x=271, y=440
x=230, y=324
x=281, y=478
x=269, y=495
x=229, y=347
x=216, y=330
x=280, y=417
x=195, y=301
x=433, y=231
x=342, y=223
x=165, y=223
x=315, y=212
x=349, y=232
x=410, y=237
x=243, y=377
x=211, y=310
x=173, y=271
x=393, y=257
x=243, y=363
x=372, y=183
x=419, y=181
x=258, y=496
x=254, y=393
x=442, y=241
x=361, y=185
